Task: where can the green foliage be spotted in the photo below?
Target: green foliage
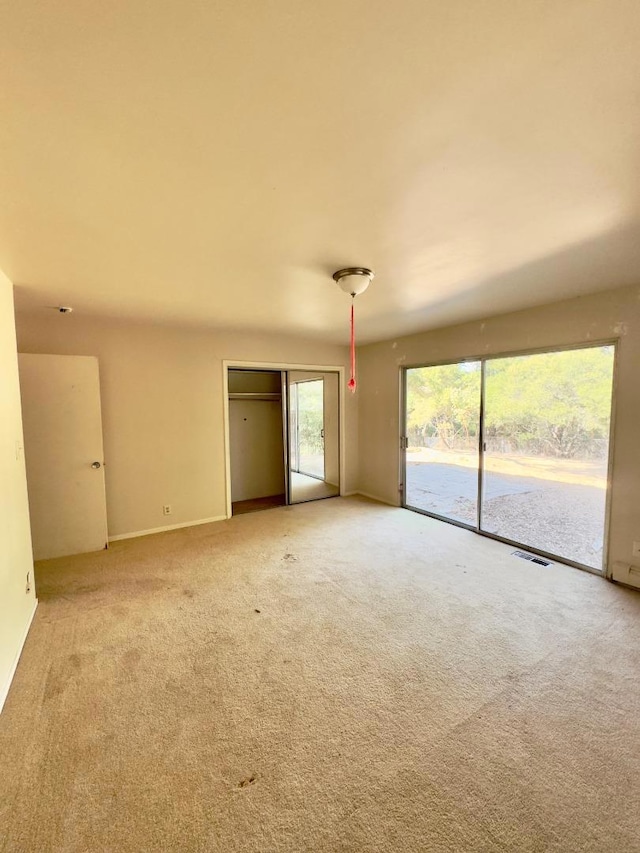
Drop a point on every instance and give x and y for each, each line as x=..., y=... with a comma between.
x=443, y=402
x=310, y=416
x=550, y=403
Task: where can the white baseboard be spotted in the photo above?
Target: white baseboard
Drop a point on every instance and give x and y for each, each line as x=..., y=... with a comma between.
x=4, y=692
x=166, y=528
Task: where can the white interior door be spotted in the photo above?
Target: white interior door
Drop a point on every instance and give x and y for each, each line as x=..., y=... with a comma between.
x=64, y=453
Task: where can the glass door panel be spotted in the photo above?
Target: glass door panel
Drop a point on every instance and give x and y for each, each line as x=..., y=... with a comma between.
x=442, y=436
x=308, y=399
x=314, y=442
x=546, y=449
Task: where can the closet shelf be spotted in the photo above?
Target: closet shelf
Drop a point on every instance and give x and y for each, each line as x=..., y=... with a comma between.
x=254, y=395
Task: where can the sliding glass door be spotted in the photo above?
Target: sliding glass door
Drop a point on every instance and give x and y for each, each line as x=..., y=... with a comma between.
x=515, y=447
x=546, y=432
x=442, y=432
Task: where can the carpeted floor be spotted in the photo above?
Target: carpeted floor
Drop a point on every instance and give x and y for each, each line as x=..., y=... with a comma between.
x=337, y=676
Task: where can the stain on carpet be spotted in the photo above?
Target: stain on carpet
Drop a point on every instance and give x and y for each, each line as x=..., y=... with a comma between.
x=60, y=675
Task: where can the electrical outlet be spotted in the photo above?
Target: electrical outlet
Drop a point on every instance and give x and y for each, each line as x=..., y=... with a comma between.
x=636, y=549
x=166, y=509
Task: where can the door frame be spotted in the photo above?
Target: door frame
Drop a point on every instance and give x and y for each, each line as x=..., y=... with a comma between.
x=605, y=570
x=235, y=364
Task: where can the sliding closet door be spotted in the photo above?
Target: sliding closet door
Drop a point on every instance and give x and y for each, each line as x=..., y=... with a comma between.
x=441, y=440
x=546, y=431
x=313, y=435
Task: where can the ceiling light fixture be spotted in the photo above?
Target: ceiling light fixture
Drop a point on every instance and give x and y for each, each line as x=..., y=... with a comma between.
x=354, y=281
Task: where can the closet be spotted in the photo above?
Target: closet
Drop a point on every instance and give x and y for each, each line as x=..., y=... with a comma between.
x=284, y=429
x=257, y=440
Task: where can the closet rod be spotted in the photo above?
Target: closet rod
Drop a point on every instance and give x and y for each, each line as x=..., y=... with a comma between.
x=254, y=395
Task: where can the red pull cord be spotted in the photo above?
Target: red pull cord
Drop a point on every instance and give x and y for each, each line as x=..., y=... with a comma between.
x=352, y=382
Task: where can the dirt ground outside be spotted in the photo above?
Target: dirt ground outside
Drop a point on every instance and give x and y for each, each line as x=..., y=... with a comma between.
x=555, y=505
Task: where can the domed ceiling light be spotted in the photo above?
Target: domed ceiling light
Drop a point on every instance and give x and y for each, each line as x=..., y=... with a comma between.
x=354, y=281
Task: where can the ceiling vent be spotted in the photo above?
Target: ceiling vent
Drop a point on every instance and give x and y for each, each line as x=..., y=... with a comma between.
x=532, y=558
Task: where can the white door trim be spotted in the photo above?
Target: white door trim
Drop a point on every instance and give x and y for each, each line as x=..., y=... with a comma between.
x=228, y=364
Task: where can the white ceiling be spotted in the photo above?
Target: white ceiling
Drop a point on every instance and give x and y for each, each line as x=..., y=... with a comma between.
x=213, y=161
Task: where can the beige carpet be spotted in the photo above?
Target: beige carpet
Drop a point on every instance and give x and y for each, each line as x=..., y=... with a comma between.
x=337, y=676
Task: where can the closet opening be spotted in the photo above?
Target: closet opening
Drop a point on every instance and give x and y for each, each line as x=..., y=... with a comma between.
x=257, y=429
x=283, y=437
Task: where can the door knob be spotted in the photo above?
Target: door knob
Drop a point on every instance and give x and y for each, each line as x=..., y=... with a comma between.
x=95, y=464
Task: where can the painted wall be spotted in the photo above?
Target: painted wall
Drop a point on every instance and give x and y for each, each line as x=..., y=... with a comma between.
x=257, y=449
x=162, y=408
x=605, y=316
x=16, y=604
x=256, y=436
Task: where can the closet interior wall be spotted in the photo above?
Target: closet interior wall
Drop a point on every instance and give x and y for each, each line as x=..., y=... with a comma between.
x=256, y=433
